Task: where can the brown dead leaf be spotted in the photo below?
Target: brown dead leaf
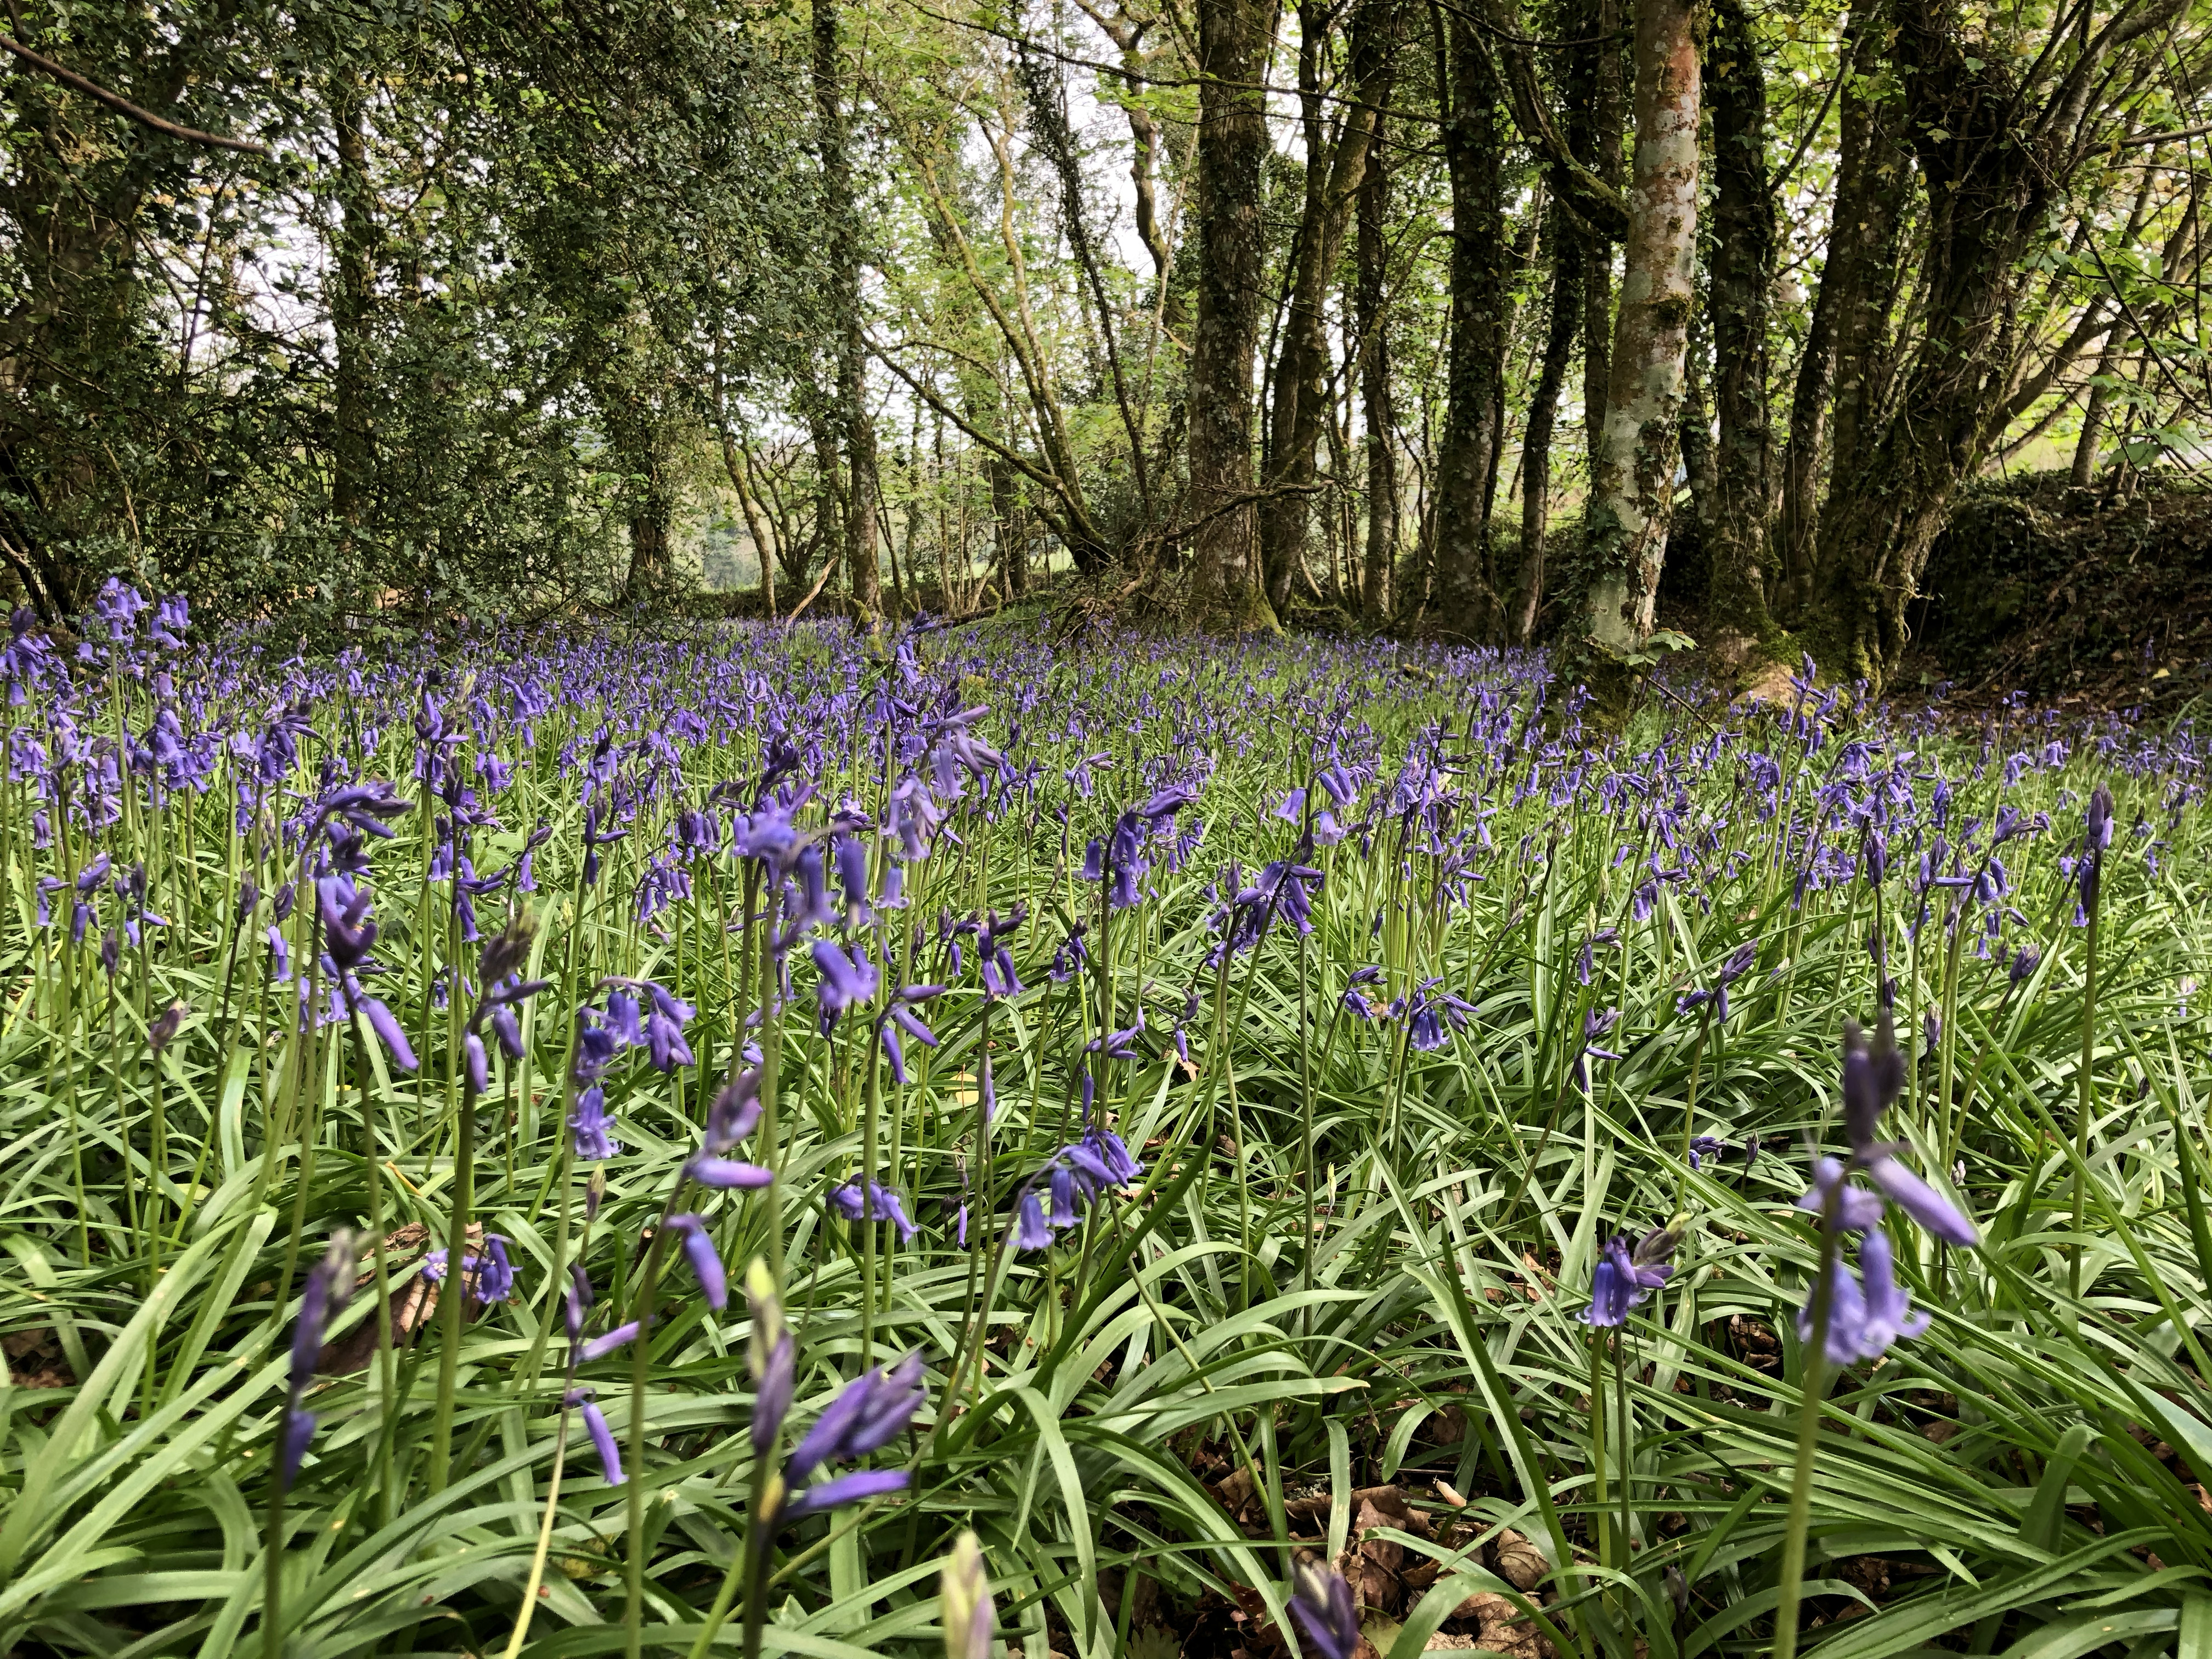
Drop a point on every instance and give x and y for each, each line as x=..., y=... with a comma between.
x=413, y=1306
x=1519, y=1563
x=34, y=1360
x=1501, y=1627
x=1239, y=1495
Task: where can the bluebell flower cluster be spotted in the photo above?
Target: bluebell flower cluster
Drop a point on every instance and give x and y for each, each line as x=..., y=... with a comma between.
x=1866, y=1315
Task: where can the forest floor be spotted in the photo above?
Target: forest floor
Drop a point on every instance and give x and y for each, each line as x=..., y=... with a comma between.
x=2068, y=596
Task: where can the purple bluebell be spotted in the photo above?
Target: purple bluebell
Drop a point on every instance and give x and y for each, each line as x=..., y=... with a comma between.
x=882, y=1204
x=1322, y=1606
x=846, y=980
x=866, y=1416
x=603, y=1437
x=1625, y=1276
x=772, y=1393
x=1032, y=1232
x=576, y=1305
x=600, y=1346
x=590, y=1128
x=706, y=1262
x=1740, y=962
x=329, y=1286
x=664, y=1030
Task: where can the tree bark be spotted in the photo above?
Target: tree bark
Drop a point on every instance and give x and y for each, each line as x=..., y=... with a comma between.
x=1571, y=254
x=1699, y=457
x=1232, y=147
x=1741, y=279
x=352, y=450
x=1006, y=524
x=1333, y=170
x=1473, y=156
x=652, y=564
x=1370, y=311
x=2093, y=414
x=1816, y=363
x=1994, y=161
x=857, y=427
x=1594, y=129
x=1633, y=482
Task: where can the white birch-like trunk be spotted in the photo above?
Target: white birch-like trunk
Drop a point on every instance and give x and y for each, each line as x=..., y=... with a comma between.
x=1634, y=471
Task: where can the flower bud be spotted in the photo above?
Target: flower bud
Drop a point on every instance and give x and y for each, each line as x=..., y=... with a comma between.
x=767, y=1307
x=964, y=1602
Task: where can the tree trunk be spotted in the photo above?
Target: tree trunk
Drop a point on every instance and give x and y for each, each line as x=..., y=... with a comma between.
x=1594, y=131
x=1475, y=156
x=2092, y=413
x=352, y=450
x=1816, y=362
x=1006, y=524
x=857, y=428
x=1371, y=318
x=1232, y=148
x=1742, y=275
x=1700, y=464
x=651, y=565
x=1570, y=253
x=1301, y=380
x=830, y=498
x=1633, y=481
x=1993, y=170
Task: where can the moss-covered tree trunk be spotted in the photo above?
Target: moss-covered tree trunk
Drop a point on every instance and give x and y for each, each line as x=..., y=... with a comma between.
x=1633, y=475
x=1474, y=137
x=1232, y=146
x=857, y=428
x=1740, y=277
x=1337, y=157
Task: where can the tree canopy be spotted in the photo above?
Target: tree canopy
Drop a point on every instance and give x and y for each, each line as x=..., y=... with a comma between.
x=1470, y=316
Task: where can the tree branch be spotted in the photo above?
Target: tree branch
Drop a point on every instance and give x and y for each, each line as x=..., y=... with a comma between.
x=123, y=106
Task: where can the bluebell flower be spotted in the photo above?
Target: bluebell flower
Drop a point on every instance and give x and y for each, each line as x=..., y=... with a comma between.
x=1624, y=1277
x=706, y=1262
x=882, y=1204
x=329, y=1286
x=1030, y=1230
x=1740, y=962
x=866, y=1416
x=589, y=1127
x=1322, y=1606
x=772, y=1392
x=599, y=1347
x=846, y=980
x=495, y=1273
x=603, y=1438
